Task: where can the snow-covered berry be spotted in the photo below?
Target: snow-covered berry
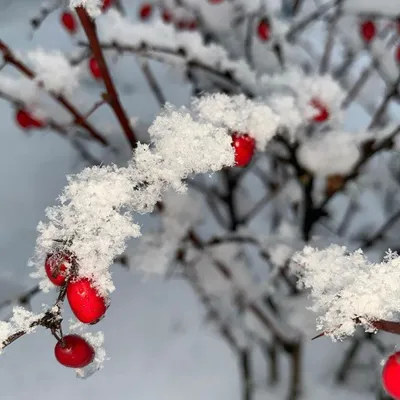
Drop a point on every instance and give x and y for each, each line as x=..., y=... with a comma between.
x=391, y=375
x=56, y=267
x=244, y=147
x=69, y=22
x=94, y=68
x=367, y=30
x=264, y=30
x=74, y=352
x=85, y=302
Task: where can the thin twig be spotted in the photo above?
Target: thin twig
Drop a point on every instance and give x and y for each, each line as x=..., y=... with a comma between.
x=113, y=98
x=380, y=232
x=154, y=86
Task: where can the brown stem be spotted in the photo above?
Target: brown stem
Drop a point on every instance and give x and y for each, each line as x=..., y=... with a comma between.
x=113, y=98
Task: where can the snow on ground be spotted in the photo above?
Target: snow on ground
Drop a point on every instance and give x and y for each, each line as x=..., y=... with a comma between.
x=159, y=345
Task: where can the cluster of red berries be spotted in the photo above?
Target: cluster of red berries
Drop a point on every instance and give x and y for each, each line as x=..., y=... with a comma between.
x=86, y=303
x=368, y=33
x=391, y=375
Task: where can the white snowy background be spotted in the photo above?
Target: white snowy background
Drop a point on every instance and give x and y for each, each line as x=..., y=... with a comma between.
x=159, y=345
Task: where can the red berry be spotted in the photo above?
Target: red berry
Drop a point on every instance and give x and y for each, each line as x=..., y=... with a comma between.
x=23, y=119
x=26, y=121
x=391, y=375
x=56, y=267
x=192, y=25
x=264, y=30
x=69, y=22
x=181, y=25
x=166, y=16
x=74, y=352
x=368, y=30
x=244, y=146
x=145, y=11
x=94, y=68
x=87, y=305
x=322, y=114
x=106, y=5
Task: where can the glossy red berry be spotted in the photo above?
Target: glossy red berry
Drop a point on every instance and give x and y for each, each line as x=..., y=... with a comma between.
x=244, y=146
x=74, y=352
x=264, y=30
x=94, y=68
x=56, y=267
x=166, y=16
x=26, y=121
x=145, y=11
x=367, y=30
x=322, y=113
x=69, y=22
x=106, y=5
x=85, y=302
x=391, y=375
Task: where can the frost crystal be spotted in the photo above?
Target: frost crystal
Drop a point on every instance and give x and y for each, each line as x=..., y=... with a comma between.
x=95, y=219
x=347, y=289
